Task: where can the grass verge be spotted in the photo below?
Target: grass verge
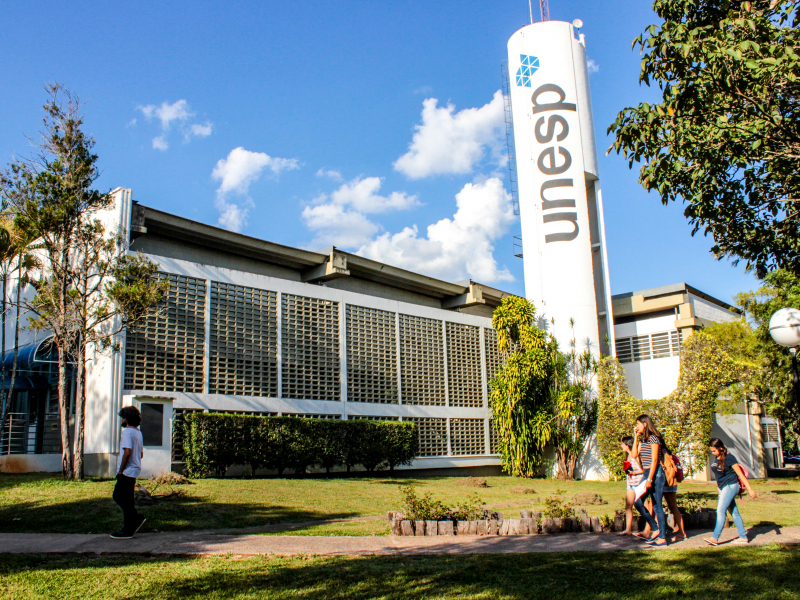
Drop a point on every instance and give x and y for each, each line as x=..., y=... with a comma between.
x=744, y=573
x=45, y=503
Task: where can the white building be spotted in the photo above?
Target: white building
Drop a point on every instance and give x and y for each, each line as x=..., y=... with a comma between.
x=649, y=326
x=256, y=327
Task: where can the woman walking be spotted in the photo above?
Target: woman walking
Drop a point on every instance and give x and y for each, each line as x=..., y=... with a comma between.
x=729, y=475
x=650, y=452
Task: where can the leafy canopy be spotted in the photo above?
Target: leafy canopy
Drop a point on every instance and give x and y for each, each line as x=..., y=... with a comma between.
x=771, y=379
x=725, y=138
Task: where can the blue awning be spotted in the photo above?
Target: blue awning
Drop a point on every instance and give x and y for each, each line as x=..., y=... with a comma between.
x=38, y=352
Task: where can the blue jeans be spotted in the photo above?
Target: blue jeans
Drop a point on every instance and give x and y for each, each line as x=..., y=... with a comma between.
x=725, y=503
x=657, y=491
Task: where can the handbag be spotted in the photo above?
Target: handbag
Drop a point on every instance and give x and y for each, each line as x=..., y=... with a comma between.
x=670, y=470
x=679, y=475
x=746, y=473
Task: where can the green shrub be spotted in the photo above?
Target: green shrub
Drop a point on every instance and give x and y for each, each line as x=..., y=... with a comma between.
x=422, y=508
x=214, y=442
x=555, y=507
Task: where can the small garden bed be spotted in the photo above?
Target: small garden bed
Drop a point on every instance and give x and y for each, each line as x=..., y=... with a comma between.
x=425, y=516
x=531, y=523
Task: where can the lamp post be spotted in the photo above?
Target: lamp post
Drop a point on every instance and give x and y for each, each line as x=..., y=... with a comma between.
x=784, y=327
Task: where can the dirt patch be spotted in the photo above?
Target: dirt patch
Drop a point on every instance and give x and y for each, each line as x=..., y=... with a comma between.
x=473, y=482
x=764, y=496
x=170, y=479
x=523, y=490
x=588, y=498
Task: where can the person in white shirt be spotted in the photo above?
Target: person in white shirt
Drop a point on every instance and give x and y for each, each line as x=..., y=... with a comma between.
x=129, y=465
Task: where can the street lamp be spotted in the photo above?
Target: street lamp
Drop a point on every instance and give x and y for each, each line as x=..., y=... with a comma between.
x=784, y=327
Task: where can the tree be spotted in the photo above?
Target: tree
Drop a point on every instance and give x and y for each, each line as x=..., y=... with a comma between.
x=770, y=382
x=540, y=397
x=684, y=417
x=88, y=287
x=575, y=410
x=725, y=138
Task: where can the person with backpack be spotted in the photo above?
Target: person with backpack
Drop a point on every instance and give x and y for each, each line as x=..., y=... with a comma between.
x=671, y=494
x=731, y=480
x=650, y=452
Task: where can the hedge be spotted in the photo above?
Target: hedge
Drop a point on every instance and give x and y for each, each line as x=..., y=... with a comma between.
x=213, y=442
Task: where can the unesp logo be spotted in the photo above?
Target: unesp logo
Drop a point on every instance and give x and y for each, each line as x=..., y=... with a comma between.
x=529, y=66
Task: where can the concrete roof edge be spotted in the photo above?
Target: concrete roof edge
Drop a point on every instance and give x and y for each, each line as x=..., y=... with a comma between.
x=193, y=231
x=238, y=243
x=676, y=288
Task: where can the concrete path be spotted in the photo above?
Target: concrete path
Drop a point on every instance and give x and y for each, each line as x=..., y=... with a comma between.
x=205, y=543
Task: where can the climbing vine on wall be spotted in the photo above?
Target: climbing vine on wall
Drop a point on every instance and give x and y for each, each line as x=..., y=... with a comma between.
x=684, y=417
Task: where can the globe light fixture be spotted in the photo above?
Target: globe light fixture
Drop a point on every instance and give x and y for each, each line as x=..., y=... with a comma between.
x=784, y=327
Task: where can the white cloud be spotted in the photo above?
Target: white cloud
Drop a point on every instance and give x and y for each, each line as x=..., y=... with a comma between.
x=232, y=216
x=362, y=195
x=167, y=113
x=243, y=167
x=236, y=173
x=331, y=173
x=453, y=143
x=454, y=248
x=200, y=130
x=159, y=143
x=425, y=89
x=593, y=66
x=334, y=225
x=131, y=123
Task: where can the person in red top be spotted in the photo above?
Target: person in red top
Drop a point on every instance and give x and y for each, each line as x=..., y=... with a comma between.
x=634, y=473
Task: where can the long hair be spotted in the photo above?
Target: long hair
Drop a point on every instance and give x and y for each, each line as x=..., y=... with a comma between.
x=650, y=428
x=719, y=445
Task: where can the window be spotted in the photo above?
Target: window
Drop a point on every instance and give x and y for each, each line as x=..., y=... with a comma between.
x=152, y=426
x=646, y=347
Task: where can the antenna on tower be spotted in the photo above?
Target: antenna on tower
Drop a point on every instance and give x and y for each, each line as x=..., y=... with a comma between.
x=530, y=10
x=544, y=6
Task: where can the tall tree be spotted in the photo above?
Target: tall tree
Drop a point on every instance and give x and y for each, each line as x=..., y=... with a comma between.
x=770, y=380
x=725, y=137
x=540, y=397
x=88, y=286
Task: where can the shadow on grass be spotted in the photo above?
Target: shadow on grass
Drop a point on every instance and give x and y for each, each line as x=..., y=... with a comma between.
x=744, y=573
x=96, y=515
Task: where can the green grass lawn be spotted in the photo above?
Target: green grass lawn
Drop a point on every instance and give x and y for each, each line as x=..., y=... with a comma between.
x=45, y=503
x=743, y=573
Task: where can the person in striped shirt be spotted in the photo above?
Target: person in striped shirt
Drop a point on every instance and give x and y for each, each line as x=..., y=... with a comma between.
x=650, y=451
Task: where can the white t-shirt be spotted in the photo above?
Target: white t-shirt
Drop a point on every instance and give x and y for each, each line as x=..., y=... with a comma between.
x=131, y=438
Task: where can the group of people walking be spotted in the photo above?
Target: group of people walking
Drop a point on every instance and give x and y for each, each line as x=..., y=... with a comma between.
x=653, y=472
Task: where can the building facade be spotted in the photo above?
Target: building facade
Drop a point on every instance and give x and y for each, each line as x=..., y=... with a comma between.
x=649, y=326
x=253, y=327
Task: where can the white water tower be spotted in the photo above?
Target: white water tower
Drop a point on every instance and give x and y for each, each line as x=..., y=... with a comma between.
x=560, y=203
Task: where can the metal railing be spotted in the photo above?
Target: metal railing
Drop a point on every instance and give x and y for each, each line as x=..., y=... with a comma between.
x=24, y=433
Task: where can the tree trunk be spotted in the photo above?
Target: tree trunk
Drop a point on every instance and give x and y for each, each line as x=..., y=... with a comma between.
x=566, y=462
x=80, y=409
x=63, y=405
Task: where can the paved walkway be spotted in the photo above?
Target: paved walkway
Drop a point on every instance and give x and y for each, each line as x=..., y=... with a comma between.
x=204, y=543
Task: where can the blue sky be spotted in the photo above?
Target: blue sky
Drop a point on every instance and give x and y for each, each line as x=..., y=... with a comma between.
x=295, y=122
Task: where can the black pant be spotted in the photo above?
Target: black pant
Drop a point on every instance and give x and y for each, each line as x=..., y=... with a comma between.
x=123, y=496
